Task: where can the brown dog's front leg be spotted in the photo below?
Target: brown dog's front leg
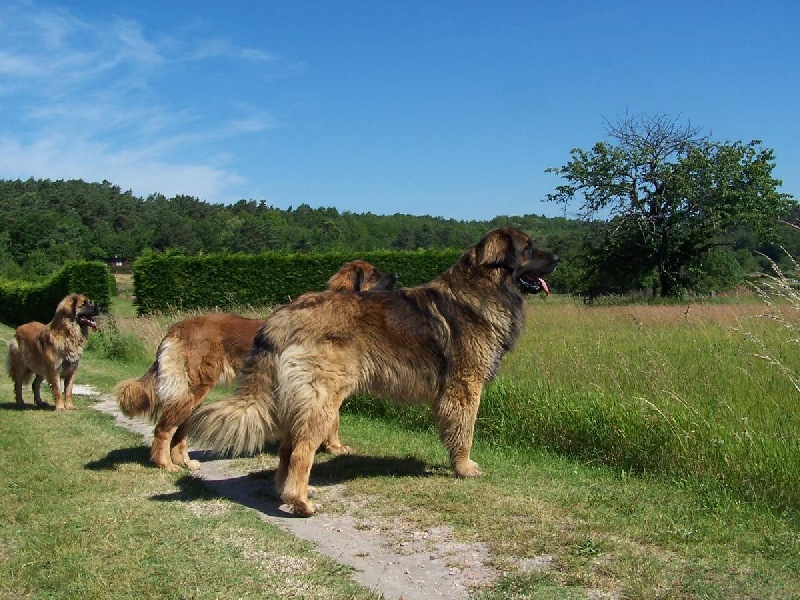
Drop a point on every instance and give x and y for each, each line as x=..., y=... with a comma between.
x=455, y=418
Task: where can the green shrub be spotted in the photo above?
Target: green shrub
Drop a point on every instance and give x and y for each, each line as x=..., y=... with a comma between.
x=107, y=342
x=170, y=281
x=21, y=302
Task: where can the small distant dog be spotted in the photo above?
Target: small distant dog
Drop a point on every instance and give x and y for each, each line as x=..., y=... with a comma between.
x=200, y=352
x=436, y=344
x=52, y=351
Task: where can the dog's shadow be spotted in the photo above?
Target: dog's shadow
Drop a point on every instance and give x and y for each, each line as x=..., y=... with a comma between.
x=135, y=455
x=257, y=491
x=27, y=406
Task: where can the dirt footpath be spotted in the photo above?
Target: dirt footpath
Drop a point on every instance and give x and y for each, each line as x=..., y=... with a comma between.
x=404, y=563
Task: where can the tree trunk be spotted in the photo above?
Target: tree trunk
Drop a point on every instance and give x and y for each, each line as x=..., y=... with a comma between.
x=670, y=287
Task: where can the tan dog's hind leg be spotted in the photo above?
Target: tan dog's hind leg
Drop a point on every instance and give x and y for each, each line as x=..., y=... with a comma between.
x=298, y=471
x=313, y=424
x=333, y=444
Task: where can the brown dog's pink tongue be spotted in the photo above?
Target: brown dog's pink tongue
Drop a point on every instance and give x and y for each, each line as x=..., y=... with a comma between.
x=544, y=286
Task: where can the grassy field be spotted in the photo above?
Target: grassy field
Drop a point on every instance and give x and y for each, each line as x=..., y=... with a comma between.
x=682, y=392
x=636, y=451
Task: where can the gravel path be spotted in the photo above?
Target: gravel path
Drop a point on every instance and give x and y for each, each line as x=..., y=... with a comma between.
x=401, y=564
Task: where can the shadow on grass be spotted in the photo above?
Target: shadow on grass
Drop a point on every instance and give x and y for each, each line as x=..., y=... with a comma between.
x=26, y=406
x=137, y=455
x=257, y=491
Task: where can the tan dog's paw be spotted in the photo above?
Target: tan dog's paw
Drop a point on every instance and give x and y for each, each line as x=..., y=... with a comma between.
x=300, y=509
x=338, y=450
x=468, y=469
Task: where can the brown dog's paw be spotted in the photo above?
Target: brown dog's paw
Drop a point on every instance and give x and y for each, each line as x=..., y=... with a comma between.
x=193, y=465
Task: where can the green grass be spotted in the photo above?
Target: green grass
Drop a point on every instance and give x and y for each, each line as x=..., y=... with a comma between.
x=600, y=529
x=671, y=391
x=643, y=452
x=84, y=515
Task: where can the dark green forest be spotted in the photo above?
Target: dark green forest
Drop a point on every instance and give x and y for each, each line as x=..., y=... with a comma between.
x=47, y=223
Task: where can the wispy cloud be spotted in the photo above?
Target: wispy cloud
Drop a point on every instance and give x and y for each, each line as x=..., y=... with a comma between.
x=80, y=99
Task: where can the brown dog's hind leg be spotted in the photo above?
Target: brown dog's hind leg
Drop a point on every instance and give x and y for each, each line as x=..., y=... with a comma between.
x=18, y=393
x=160, y=449
x=180, y=450
x=170, y=450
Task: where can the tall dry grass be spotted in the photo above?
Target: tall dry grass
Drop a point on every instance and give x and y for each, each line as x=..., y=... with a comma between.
x=671, y=391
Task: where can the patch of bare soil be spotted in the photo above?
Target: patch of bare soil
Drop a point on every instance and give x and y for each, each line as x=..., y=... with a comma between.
x=397, y=562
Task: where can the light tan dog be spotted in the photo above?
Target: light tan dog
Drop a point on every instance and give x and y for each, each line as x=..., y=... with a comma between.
x=200, y=352
x=436, y=344
x=52, y=352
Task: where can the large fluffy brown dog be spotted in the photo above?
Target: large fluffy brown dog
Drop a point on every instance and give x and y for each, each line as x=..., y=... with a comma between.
x=52, y=351
x=438, y=344
x=198, y=353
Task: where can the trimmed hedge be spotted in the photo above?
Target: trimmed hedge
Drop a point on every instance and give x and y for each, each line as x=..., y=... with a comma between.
x=168, y=281
x=21, y=302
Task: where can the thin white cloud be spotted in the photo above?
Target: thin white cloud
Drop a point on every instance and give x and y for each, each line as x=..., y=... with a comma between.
x=80, y=100
x=58, y=157
x=217, y=48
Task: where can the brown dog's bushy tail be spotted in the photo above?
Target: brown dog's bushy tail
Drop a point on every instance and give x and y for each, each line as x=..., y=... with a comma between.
x=137, y=396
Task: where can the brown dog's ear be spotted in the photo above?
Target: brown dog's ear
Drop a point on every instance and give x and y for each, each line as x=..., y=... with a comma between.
x=496, y=249
x=358, y=279
x=75, y=301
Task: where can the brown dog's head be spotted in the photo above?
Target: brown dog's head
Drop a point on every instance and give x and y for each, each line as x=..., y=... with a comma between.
x=81, y=310
x=360, y=276
x=513, y=251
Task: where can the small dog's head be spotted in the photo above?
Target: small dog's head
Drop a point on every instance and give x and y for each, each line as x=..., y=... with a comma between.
x=360, y=276
x=84, y=312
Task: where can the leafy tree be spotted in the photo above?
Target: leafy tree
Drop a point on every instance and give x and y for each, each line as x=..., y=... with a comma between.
x=671, y=196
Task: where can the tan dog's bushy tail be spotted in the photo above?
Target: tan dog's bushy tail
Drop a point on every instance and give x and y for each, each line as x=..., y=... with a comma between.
x=236, y=426
x=137, y=396
x=245, y=423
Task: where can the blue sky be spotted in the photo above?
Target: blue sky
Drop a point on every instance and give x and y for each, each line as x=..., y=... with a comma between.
x=441, y=107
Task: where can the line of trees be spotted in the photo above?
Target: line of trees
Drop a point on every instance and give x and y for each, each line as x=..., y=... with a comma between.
x=662, y=208
x=45, y=223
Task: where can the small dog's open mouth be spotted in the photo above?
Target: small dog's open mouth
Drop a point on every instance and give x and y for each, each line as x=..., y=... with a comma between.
x=87, y=322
